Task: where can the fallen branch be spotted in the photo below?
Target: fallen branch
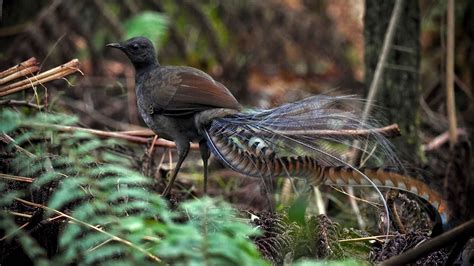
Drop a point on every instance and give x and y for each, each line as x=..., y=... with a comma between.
x=441, y=139
x=21, y=73
x=388, y=132
x=17, y=178
x=21, y=103
x=107, y=134
x=10, y=141
x=52, y=74
x=143, y=132
x=23, y=65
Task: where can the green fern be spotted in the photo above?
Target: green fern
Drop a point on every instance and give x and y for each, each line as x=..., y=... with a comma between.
x=113, y=215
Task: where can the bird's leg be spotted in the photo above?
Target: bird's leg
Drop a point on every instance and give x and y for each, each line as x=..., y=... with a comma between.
x=183, y=149
x=205, y=158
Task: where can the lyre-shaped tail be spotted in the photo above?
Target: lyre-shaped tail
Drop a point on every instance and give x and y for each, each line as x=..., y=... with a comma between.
x=308, y=139
x=262, y=162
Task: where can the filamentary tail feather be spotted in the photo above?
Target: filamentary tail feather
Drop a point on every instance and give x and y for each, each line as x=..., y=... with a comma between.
x=310, y=139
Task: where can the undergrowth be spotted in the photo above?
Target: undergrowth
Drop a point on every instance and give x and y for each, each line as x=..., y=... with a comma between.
x=107, y=212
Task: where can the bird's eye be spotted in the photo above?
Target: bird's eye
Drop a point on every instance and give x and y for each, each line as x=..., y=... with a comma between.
x=134, y=46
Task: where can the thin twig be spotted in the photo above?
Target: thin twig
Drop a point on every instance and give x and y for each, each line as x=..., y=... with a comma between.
x=141, y=132
x=21, y=103
x=9, y=140
x=441, y=139
x=377, y=205
x=17, y=178
x=19, y=214
x=387, y=43
x=114, y=237
x=356, y=209
x=450, y=102
x=108, y=134
x=368, y=238
x=388, y=131
x=14, y=232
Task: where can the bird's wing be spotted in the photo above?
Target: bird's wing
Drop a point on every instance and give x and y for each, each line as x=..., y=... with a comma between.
x=185, y=90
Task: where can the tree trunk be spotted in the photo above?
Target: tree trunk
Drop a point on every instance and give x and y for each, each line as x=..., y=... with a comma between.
x=400, y=90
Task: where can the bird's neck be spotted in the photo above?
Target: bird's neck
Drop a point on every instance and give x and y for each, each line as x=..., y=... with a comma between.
x=143, y=67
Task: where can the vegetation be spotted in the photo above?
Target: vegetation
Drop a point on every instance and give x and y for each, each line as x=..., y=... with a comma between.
x=80, y=177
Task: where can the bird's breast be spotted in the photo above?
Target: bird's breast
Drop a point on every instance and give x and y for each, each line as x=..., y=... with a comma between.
x=167, y=127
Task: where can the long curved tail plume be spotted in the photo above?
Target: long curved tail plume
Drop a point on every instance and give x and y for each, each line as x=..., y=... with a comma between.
x=311, y=139
x=343, y=176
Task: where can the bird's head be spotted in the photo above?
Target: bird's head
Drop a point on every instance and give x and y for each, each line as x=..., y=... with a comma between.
x=139, y=50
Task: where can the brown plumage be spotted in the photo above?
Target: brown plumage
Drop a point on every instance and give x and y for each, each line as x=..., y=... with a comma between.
x=300, y=139
x=171, y=98
x=186, y=90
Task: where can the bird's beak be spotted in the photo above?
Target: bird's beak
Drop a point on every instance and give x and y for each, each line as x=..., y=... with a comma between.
x=115, y=45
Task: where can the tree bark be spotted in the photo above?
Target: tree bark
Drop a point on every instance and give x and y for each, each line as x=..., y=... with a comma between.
x=400, y=87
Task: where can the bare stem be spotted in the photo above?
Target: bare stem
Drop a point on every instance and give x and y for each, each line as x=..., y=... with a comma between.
x=387, y=43
x=451, y=105
x=108, y=134
x=17, y=178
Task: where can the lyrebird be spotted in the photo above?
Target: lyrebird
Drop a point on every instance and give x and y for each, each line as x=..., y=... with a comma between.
x=301, y=139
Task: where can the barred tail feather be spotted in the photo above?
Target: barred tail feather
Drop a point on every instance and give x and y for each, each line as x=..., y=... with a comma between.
x=344, y=176
x=303, y=139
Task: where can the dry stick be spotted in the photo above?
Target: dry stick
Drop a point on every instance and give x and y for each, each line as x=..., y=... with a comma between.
x=19, y=214
x=374, y=204
x=141, y=133
x=108, y=134
x=17, y=178
x=21, y=103
x=21, y=73
x=28, y=63
x=465, y=230
x=52, y=74
x=71, y=64
x=388, y=131
x=450, y=103
x=387, y=43
x=14, y=232
x=115, y=238
x=374, y=87
x=368, y=238
x=438, y=141
x=9, y=140
x=21, y=85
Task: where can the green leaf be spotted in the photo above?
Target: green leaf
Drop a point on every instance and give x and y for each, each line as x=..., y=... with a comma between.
x=153, y=25
x=104, y=252
x=10, y=121
x=68, y=191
